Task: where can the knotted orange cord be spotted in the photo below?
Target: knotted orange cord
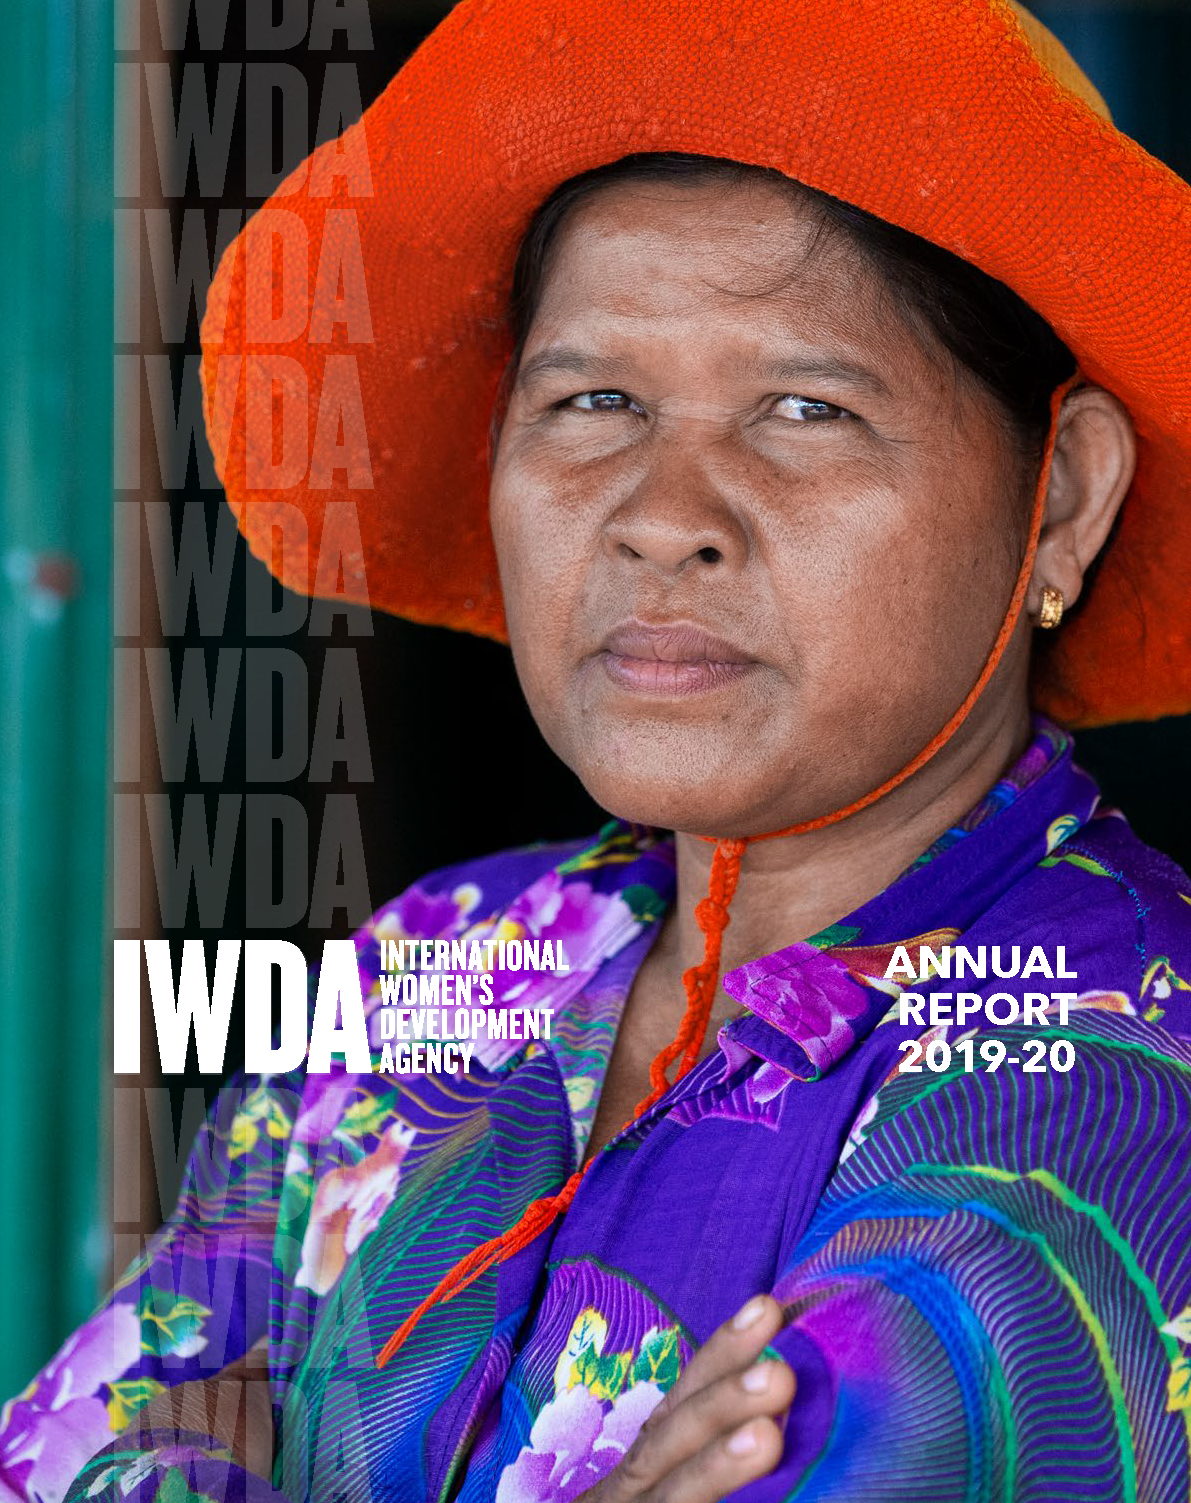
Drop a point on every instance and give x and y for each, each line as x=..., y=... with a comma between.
x=711, y=914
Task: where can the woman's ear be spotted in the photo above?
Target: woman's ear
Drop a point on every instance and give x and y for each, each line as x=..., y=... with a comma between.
x=1094, y=459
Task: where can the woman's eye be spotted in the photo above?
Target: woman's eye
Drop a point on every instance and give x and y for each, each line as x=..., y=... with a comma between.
x=808, y=410
x=603, y=401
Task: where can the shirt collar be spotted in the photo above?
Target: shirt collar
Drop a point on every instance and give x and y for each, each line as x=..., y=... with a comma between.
x=828, y=992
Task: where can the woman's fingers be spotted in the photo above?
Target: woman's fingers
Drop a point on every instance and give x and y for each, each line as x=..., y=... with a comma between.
x=718, y=1427
x=729, y=1348
x=719, y=1431
x=746, y=1453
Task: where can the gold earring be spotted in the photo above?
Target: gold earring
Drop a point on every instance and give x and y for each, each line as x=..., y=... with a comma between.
x=1052, y=607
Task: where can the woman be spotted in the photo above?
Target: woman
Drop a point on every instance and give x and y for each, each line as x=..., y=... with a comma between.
x=778, y=494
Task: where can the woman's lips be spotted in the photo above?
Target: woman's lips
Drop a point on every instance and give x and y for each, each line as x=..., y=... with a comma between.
x=677, y=658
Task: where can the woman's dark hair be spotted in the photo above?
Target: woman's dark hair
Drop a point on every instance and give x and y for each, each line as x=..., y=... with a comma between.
x=984, y=325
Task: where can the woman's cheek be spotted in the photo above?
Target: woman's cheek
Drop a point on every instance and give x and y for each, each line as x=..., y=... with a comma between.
x=540, y=585
x=541, y=575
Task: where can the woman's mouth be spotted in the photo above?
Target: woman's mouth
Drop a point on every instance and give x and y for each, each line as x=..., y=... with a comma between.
x=672, y=659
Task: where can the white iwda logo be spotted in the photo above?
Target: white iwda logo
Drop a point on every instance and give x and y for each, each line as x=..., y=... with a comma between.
x=203, y=1004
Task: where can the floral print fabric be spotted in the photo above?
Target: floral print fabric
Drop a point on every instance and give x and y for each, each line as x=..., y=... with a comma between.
x=988, y=1272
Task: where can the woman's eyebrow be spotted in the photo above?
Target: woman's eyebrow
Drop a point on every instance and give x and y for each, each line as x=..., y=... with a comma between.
x=839, y=371
x=574, y=362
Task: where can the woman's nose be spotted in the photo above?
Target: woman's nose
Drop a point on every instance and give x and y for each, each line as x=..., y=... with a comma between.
x=672, y=521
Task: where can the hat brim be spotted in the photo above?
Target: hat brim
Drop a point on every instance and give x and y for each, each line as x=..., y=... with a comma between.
x=933, y=114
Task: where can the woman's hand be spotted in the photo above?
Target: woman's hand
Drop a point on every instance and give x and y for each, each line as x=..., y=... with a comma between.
x=233, y=1407
x=718, y=1427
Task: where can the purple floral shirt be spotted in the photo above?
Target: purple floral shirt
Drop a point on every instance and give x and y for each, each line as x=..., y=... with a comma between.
x=987, y=1269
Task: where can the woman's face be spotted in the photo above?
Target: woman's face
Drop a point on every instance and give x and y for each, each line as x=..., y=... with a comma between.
x=755, y=536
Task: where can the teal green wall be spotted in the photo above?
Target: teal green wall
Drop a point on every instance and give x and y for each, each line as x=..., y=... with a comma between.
x=55, y=652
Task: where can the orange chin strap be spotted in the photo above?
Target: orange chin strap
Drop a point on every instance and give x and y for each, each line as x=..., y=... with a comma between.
x=711, y=914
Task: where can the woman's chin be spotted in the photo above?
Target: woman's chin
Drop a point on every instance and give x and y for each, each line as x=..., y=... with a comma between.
x=667, y=804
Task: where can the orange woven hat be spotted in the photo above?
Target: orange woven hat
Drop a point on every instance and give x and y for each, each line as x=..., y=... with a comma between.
x=359, y=322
